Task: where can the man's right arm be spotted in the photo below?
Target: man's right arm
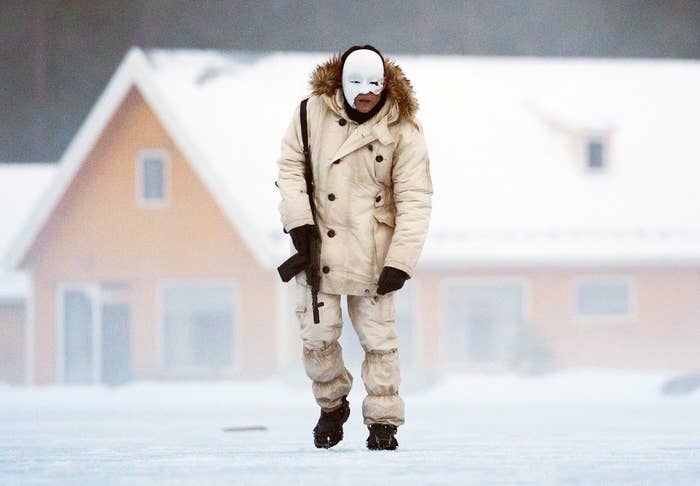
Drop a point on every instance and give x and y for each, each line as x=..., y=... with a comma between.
x=294, y=207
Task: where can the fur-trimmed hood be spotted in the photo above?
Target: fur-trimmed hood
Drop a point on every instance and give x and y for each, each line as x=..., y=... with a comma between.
x=328, y=77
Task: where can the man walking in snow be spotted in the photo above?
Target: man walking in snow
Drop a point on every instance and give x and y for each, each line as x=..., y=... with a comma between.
x=372, y=195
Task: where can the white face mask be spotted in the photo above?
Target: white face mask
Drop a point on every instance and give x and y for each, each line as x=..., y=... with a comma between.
x=363, y=72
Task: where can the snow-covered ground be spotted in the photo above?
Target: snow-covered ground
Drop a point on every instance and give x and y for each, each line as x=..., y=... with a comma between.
x=572, y=427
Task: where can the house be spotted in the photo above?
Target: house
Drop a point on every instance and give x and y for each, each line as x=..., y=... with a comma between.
x=565, y=228
x=21, y=186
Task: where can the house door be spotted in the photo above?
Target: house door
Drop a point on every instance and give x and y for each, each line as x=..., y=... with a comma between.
x=116, y=353
x=78, y=336
x=484, y=321
x=94, y=335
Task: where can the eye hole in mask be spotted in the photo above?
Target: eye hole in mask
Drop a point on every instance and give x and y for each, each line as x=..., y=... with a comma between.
x=372, y=86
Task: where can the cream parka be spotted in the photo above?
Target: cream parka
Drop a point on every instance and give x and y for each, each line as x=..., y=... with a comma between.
x=372, y=182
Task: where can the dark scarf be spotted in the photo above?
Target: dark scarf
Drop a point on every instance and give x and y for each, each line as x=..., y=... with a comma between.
x=358, y=116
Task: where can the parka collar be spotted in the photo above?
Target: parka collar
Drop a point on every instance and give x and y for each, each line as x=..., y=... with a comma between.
x=376, y=128
x=389, y=112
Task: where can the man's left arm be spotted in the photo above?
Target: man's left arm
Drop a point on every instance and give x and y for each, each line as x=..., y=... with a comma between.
x=413, y=190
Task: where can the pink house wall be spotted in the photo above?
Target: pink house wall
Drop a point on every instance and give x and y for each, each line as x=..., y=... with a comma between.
x=663, y=333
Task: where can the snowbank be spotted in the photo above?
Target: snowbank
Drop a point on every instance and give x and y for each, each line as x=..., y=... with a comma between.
x=577, y=385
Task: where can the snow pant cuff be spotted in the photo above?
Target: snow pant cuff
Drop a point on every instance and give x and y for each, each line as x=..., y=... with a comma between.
x=330, y=379
x=381, y=373
x=384, y=409
x=381, y=376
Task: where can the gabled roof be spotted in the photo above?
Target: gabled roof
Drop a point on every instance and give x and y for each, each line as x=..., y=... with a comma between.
x=135, y=71
x=509, y=187
x=21, y=187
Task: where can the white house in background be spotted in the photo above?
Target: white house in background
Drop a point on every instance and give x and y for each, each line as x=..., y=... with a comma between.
x=565, y=228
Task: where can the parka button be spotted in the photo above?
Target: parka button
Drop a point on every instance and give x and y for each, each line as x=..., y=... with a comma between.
x=379, y=158
x=336, y=161
x=331, y=233
x=378, y=198
x=326, y=269
x=342, y=122
x=370, y=147
x=331, y=197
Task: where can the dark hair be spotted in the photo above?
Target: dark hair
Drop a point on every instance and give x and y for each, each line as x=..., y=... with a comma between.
x=345, y=54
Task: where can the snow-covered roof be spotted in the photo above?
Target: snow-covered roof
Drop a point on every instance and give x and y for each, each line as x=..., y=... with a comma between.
x=502, y=135
x=21, y=187
x=14, y=286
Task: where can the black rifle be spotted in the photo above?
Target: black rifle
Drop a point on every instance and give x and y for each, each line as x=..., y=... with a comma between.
x=298, y=262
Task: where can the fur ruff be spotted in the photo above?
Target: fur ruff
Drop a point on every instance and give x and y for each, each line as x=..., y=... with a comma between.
x=328, y=77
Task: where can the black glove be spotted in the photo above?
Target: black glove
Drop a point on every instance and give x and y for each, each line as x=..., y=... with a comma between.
x=391, y=279
x=301, y=237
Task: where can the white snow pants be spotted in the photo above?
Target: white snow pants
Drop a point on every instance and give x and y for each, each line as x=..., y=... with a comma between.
x=373, y=318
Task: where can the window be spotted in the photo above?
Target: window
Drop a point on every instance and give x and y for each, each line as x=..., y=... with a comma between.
x=594, y=154
x=604, y=297
x=152, y=177
x=198, y=324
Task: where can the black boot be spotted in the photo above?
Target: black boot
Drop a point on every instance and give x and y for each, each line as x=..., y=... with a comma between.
x=381, y=437
x=329, y=429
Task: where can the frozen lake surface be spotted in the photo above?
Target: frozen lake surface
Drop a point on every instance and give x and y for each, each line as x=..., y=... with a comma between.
x=576, y=427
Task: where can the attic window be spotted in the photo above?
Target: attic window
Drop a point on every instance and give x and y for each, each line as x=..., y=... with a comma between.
x=595, y=153
x=152, y=177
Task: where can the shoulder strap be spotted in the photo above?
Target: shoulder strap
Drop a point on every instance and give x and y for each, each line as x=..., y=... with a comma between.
x=304, y=128
x=308, y=173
